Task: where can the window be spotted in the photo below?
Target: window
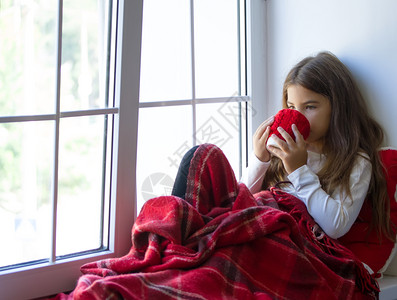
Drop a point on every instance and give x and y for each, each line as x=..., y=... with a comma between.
x=192, y=89
x=63, y=137
x=69, y=102
x=52, y=126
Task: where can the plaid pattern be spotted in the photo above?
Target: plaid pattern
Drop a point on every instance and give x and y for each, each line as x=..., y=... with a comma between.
x=222, y=242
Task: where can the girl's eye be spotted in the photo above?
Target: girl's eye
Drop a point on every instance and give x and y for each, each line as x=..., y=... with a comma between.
x=310, y=107
x=291, y=107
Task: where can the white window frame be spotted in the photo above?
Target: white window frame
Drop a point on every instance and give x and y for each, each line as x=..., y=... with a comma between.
x=61, y=276
x=256, y=65
x=58, y=276
x=193, y=102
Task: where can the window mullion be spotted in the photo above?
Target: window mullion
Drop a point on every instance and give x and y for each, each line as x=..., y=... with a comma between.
x=193, y=67
x=56, y=139
x=239, y=24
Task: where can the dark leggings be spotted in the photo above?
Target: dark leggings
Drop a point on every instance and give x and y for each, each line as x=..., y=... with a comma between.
x=179, y=188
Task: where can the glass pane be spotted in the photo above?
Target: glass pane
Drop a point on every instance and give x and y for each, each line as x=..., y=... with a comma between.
x=85, y=54
x=219, y=124
x=161, y=146
x=26, y=170
x=165, y=59
x=81, y=183
x=27, y=57
x=216, y=48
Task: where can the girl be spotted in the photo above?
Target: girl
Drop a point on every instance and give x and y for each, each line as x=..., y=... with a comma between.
x=337, y=167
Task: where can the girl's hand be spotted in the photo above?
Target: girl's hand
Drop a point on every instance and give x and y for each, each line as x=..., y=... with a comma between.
x=293, y=154
x=260, y=139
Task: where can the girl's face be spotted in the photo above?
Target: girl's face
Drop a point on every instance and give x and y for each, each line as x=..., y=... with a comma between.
x=316, y=108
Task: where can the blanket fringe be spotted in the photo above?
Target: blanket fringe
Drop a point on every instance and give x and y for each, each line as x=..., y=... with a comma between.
x=316, y=237
x=364, y=281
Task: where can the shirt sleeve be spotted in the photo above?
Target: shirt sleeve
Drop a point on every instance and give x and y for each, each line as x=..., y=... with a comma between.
x=255, y=172
x=335, y=213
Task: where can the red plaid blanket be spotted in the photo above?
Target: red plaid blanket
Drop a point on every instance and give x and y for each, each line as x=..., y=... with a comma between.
x=222, y=242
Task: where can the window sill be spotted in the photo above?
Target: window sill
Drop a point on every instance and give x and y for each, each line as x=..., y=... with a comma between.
x=53, y=278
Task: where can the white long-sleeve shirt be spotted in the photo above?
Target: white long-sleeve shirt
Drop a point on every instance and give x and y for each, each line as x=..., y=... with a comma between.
x=335, y=213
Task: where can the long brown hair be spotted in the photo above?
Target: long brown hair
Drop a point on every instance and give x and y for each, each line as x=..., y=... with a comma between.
x=352, y=130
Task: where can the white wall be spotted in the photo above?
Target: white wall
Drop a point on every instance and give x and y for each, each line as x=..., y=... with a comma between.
x=362, y=33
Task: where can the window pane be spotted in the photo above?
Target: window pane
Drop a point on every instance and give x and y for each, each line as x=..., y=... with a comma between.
x=81, y=182
x=165, y=60
x=216, y=48
x=219, y=124
x=26, y=170
x=84, y=54
x=27, y=57
x=162, y=144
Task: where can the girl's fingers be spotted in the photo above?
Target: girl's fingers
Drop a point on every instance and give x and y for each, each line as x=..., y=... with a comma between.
x=293, y=154
x=285, y=135
x=260, y=138
x=269, y=120
x=298, y=136
x=266, y=134
x=262, y=128
x=282, y=145
x=290, y=141
x=276, y=151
